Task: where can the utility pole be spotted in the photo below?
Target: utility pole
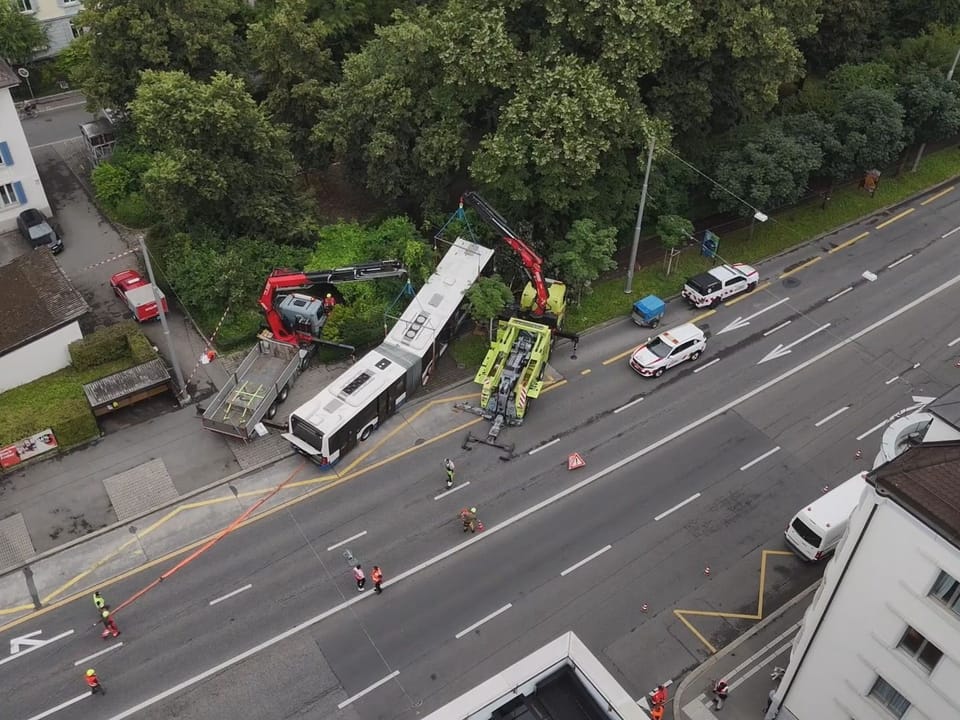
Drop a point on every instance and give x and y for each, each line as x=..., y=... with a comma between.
x=923, y=146
x=636, y=231
x=183, y=396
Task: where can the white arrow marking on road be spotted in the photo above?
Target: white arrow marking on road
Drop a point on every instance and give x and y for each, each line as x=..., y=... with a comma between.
x=31, y=643
x=780, y=350
x=742, y=322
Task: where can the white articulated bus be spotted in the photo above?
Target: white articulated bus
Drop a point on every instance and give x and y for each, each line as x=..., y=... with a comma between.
x=345, y=412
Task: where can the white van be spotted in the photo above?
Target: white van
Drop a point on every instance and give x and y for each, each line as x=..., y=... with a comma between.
x=816, y=530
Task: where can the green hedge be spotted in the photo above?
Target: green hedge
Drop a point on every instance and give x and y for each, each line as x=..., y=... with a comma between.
x=116, y=342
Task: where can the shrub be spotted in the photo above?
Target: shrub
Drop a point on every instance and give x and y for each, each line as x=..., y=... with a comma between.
x=116, y=342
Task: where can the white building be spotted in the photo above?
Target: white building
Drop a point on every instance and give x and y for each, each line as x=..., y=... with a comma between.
x=881, y=638
x=56, y=18
x=39, y=318
x=20, y=185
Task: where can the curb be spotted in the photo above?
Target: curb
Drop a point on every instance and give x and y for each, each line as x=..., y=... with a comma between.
x=707, y=664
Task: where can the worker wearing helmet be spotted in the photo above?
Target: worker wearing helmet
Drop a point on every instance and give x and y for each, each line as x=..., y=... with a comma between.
x=469, y=519
x=329, y=302
x=93, y=682
x=449, y=467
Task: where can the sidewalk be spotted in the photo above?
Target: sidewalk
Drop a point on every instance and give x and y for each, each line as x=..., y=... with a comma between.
x=747, y=665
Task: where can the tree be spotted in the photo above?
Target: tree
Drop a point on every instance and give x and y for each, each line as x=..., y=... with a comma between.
x=21, y=36
x=673, y=231
x=869, y=131
x=294, y=66
x=847, y=78
x=217, y=159
x=931, y=106
x=486, y=299
x=936, y=47
x=126, y=37
x=848, y=32
x=586, y=253
x=765, y=169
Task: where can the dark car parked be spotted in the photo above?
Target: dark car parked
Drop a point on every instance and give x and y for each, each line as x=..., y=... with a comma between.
x=35, y=227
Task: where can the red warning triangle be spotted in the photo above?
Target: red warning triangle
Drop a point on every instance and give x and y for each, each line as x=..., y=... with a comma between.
x=575, y=461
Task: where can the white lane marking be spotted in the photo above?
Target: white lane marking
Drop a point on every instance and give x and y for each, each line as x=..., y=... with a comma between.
x=839, y=294
x=915, y=366
x=782, y=325
x=451, y=490
x=780, y=350
x=544, y=446
x=17, y=643
x=892, y=380
x=55, y=142
x=88, y=658
x=761, y=665
x=953, y=342
x=230, y=594
x=704, y=367
x=831, y=416
x=628, y=405
x=61, y=706
x=363, y=692
x=763, y=457
x=759, y=653
x=344, y=542
x=948, y=234
x=676, y=507
x=514, y=519
x=587, y=559
x=742, y=322
x=488, y=618
x=897, y=262
x=872, y=430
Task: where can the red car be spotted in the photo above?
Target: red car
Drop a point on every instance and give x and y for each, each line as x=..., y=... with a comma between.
x=137, y=293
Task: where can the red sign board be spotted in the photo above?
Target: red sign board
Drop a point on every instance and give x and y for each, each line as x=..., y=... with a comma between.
x=30, y=447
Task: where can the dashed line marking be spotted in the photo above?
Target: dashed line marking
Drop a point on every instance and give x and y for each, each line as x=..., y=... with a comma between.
x=763, y=457
x=950, y=232
x=895, y=218
x=872, y=430
x=443, y=494
x=937, y=196
x=61, y=706
x=363, y=692
x=586, y=372
x=798, y=268
x=892, y=380
x=705, y=366
x=897, y=262
x=757, y=289
x=847, y=243
x=231, y=594
x=702, y=316
x=676, y=507
x=953, y=342
x=88, y=658
x=628, y=405
x=839, y=294
x=587, y=559
x=344, y=542
x=488, y=618
x=782, y=325
x=831, y=416
x=544, y=446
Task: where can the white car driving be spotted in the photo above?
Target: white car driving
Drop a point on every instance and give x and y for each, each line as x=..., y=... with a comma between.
x=685, y=342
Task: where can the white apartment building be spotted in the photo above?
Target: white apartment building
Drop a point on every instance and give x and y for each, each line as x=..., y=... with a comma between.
x=20, y=185
x=881, y=638
x=56, y=17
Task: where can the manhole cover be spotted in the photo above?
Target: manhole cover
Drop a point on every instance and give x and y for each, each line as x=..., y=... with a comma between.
x=791, y=282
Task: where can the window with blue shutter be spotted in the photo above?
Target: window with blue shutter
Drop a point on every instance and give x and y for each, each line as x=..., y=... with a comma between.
x=5, y=154
x=21, y=195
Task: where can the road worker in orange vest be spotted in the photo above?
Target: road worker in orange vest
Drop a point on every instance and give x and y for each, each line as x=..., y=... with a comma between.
x=93, y=682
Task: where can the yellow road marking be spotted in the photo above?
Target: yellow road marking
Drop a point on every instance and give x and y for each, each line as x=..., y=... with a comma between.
x=702, y=316
x=847, y=243
x=798, y=268
x=937, y=196
x=895, y=218
x=681, y=615
x=757, y=289
x=553, y=386
x=586, y=372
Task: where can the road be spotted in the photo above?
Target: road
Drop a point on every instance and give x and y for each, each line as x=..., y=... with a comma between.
x=700, y=469
x=56, y=121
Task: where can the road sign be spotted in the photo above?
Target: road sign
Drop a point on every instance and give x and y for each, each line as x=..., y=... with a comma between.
x=575, y=461
x=23, y=72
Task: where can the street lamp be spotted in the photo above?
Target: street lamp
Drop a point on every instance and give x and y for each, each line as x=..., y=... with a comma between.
x=636, y=230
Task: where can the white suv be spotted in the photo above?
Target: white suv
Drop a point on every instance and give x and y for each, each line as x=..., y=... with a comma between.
x=720, y=283
x=669, y=348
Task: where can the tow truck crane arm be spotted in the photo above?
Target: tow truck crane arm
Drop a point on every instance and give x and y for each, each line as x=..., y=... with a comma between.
x=283, y=281
x=532, y=262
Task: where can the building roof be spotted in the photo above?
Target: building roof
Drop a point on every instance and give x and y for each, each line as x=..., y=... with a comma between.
x=947, y=407
x=35, y=298
x=126, y=382
x=8, y=78
x=925, y=481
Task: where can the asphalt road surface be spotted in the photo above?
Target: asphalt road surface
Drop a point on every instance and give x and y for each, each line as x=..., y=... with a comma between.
x=701, y=468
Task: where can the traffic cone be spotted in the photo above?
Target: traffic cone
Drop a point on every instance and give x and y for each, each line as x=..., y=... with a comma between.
x=958, y=364
x=644, y=607
x=858, y=454
x=826, y=488
x=706, y=570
